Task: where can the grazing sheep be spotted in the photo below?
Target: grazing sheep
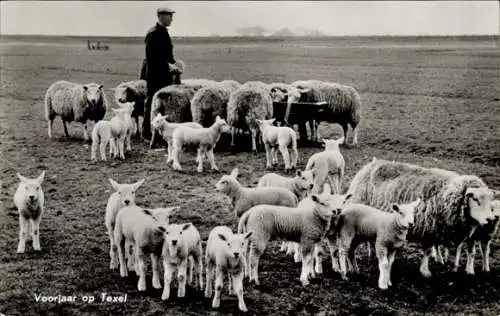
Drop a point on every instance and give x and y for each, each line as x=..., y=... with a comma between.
x=204, y=138
x=144, y=230
x=454, y=205
x=359, y=223
x=482, y=235
x=225, y=254
x=182, y=245
x=124, y=195
x=301, y=184
x=282, y=137
x=242, y=198
x=30, y=201
x=245, y=106
x=329, y=164
x=344, y=105
x=211, y=101
x=74, y=102
x=133, y=91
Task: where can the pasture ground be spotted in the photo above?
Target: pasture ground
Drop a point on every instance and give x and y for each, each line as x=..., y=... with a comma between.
x=429, y=102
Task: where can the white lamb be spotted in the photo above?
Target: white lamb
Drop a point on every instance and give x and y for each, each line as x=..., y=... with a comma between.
x=166, y=130
x=204, y=138
x=29, y=200
x=243, y=198
x=182, y=246
x=281, y=137
x=133, y=91
x=101, y=137
x=225, y=254
x=329, y=164
x=305, y=225
x=124, y=195
x=144, y=229
x=358, y=223
x=301, y=184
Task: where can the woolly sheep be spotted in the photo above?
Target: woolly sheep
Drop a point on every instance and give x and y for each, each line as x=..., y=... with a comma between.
x=243, y=198
x=359, y=223
x=305, y=225
x=282, y=137
x=483, y=235
x=144, y=230
x=174, y=102
x=446, y=196
x=182, y=246
x=74, y=102
x=204, y=138
x=245, y=106
x=124, y=195
x=197, y=83
x=225, y=254
x=344, y=105
x=301, y=184
x=329, y=164
x=211, y=101
x=30, y=202
x=133, y=91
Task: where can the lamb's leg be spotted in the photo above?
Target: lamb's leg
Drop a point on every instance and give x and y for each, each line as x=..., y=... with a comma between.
x=318, y=259
x=129, y=255
x=352, y=259
x=102, y=149
x=23, y=233
x=471, y=253
x=121, y=256
x=283, y=247
x=484, y=246
x=274, y=156
x=113, y=255
x=253, y=132
x=457, y=257
x=167, y=279
x=35, y=233
x=335, y=261
x=229, y=284
x=392, y=256
x=383, y=266
x=294, y=156
x=49, y=127
x=424, y=264
x=238, y=288
x=199, y=259
x=141, y=258
x=175, y=156
x=290, y=248
x=155, y=262
x=306, y=263
x=355, y=135
x=344, y=244
x=211, y=158
x=297, y=257
x=65, y=129
x=286, y=157
x=190, y=268
x=233, y=134
x=181, y=279
x=129, y=136
x=269, y=157
x=439, y=255
x=200, y=156
x=121, y=144
x=255, y=253
x=210, y=270
x=219, y=281
x=85, y=131
x=345, y=128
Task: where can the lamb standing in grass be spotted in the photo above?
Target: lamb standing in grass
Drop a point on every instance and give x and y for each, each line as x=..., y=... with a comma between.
x=306, y=225
x=225, y=254
x=30, y=201
x=133, y=91
x=359, y=223
x=242, y=198
x=182, y=246
x=282, y=137
x=101, y=137
x=124, y=195
x=74, y=102
x=301, y=184
x=204, y=138
x=144, y=229
x=329, y=164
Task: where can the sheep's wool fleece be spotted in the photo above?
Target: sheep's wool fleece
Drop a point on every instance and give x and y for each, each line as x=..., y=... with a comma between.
x=175, y=102
x=246, y=105
x=67, y=99
x=211, y=101
x=439, y=219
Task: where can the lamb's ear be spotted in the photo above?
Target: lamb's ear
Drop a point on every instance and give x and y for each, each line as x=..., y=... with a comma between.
x=186, y=226
x=101, y=87
x=40, y=178
x=247, y=235
x=396, y=208
x=85, y=88
x=115, y=185
x=23, y=179
x=304, y=90
x=148, y=212
x=316, y=199
x=138, y=184
x=347, y=197
x=299, y=173
x=271, y=121
x=235, y=173
x=172, y=210
x=222, y=237
x=161, y=228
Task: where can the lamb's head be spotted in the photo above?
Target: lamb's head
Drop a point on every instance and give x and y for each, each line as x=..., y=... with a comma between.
x=234, y=245
x=125, y=109
x=228, y=183
x=304, y=180
x=173, y=234
x=93, y=94
x=406, y=212
x=126, y=191
x=478, y=200
x=332, y=144
x=221, y=125
x=158, y=122
x=125, y=93
x=327, y=204
x=32, y=188
x=161, y=217
x=264, y=123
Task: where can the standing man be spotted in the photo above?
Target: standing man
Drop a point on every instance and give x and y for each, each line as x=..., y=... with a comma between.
x=159, y=64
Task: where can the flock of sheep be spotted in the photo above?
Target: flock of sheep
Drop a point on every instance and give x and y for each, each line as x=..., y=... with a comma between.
x=387, y=204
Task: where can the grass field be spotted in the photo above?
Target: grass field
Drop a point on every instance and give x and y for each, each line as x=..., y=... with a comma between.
x=430, y=102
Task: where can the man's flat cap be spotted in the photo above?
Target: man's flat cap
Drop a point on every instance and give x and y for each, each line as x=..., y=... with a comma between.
x=165, y=10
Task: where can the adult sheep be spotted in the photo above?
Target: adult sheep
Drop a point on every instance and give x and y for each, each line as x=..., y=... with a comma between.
x=453, y=205
x=75, y=102
x=344, y=105
x=133, y=91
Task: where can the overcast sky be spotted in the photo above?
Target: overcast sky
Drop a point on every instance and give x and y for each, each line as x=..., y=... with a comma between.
x=197, y=18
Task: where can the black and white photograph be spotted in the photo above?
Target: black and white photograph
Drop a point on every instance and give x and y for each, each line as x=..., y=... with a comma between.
x=249, y=158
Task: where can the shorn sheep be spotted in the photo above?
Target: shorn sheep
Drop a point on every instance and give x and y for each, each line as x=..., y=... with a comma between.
x=243, y=198
x=453, y=206
x=306, y=225
x=182, y=247
x=30, y=202
x=124, y=195
x=301, y=184
x=75, y=102
x=144, y=230
x=133, y=91
x=329, y=165
x=225, y=254
x=282, y=138
x=344, y=105
x=204, y=138
x=359, y=223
